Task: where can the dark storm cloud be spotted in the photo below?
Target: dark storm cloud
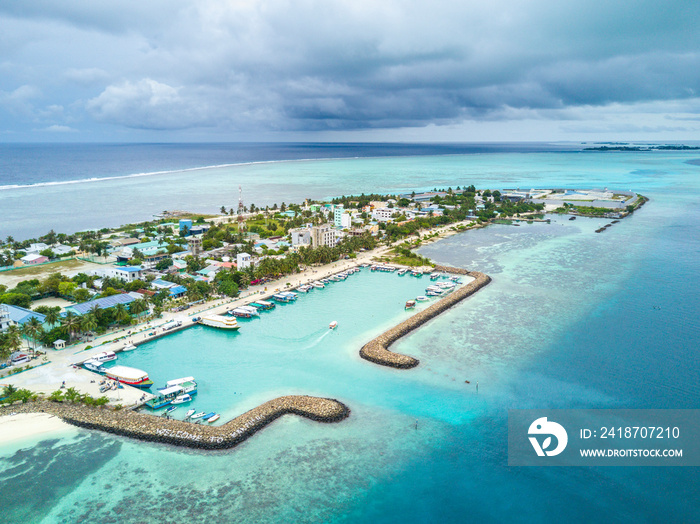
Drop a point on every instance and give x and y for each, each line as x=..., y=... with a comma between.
x=315, y=65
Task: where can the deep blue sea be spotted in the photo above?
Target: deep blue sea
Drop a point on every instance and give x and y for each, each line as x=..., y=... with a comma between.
x=572, y=319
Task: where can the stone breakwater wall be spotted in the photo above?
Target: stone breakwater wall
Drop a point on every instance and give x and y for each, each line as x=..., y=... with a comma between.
x=149, y=428
x=377, y=350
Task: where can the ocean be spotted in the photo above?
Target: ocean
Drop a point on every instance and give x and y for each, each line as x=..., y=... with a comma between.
x=572, y=319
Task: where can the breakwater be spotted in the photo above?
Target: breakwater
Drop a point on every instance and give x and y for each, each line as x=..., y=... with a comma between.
x=146, y=427
x=376, y=350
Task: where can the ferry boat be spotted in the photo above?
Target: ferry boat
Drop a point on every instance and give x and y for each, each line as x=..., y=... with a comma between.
x=333, y=324
x=182, y=399
x=262, y=304
x=240, y=312
x=131, y=376
x=93, y=365
x=188, y=385
x=285, y=297
x=219, y=321
x=165, y=396
x=318, y=285
x=410, y=304
x=253, y=311
x=105, y=356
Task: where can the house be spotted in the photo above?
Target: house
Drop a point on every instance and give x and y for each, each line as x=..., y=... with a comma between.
x=15, y=315
x=61, y=250
x=301, y=237
x=322, y=236
x=100, y=303
x=34, y=259
x=243, y=260
x=382, y=214
x=36, y=248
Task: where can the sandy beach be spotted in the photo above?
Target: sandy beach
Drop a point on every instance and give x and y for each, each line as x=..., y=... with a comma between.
x=22, y=426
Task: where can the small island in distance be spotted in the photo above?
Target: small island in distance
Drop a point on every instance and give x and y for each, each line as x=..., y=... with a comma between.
x=618, y=146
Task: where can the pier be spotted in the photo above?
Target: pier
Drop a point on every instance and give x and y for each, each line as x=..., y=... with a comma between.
x=377, y=349
x=148, y=428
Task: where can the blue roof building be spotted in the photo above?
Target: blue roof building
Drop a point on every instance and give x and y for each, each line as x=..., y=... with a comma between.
x=177, y=291
x=100, y=303
x=11, y=315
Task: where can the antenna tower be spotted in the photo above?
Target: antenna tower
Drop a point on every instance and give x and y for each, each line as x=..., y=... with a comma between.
x=241, y=209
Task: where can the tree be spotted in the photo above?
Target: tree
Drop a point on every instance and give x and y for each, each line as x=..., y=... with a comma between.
x=32, y=329
x=138, y=306
x=66, y=288
x=121, y=314
x=223, y=210
x=48, y=253
x=81, y=295
x=88, y=323
x=16, y=299
x=52, y=315
x=70, y=324
x=164, y=264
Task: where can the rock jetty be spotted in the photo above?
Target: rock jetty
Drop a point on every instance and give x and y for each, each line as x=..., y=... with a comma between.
x=146, y=427
x=377, y=351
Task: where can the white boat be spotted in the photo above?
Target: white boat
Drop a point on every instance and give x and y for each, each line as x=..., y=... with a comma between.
x=190, y=413
x=318, y=285
x=129, y=347
x=178, y=381
x=305, y=288
x=252, y=310
x=422, y=298
x=182, y=399
x=219, y=321
x=240, y=312
x=198, y=415
x=410, y=304
x=131, y=376
x=93, y=365
x=333, y=324
x=105, y=356
x=214, y=418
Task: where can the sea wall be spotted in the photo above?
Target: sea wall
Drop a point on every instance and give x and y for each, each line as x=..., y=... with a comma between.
x=149, y=428
x=377, y=350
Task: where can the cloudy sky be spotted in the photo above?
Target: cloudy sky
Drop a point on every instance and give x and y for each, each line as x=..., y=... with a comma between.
x=462, y=70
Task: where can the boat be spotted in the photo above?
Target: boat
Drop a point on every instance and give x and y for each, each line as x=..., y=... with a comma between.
x=262, y=304
x=170, y=410
x=240, y=313
x=456, y=280
x=130, y=376
x=433, y=293
x=401, y=272
x=219, y=321
x=416, y=273
x=279, y=297
x=105, y=356
x=333, y=324
x=289, y=294
x=422, y=298
x=178, y=382
x=214, y=418
x=253, y=311
x=186, y=384
x=325, y=281
x=318, y=285
x=305, y=288
x=434, y=276
x=197, y=415
x=182, y=399
x=93, y=365
x=208, y=416
x=190, y=413
x=164, y=397
x=410, y=304
x=129, y=347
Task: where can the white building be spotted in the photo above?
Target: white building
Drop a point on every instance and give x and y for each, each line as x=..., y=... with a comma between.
x=301, y=237
x=338, y=212
x=243, y=260
x=322, y=236
x=383, y=214
x=345, y=220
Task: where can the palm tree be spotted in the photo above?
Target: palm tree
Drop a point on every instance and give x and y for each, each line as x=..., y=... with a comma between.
x=138, y=306
x=70, y=324
x=121, y=314
x=52, y=316
x=33, y=329
x=88, y=323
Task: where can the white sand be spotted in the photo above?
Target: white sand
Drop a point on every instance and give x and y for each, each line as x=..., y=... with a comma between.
x=24, y=426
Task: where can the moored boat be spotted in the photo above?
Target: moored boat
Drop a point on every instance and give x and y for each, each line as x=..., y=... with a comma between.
x=305, y=288
x=130, y=376
x=422, y=298
x=410, y=304
x=165, y=396
x=129, y=347
x=182, y=399
x=213, y=419
x=208, y=416
x=170, y=410
x=318, y=285
x=219, y=321
x=105, y=356
x=190, y=413
x=93, y=365
x=240, y=313
x=263, y=304
x=197, y=415
x=401, y=272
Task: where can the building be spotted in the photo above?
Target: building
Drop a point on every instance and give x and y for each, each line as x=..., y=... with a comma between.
x=322, y=236
x=195, y=244
x=30, y=260
x=185, y=225
x=243, y=260
x=36, y=248
x=338, y=215
x=100, y=303
x=382, y=214
x=345, y=220
x=301, y=237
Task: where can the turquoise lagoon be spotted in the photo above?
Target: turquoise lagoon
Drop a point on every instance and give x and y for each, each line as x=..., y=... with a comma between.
x=571, y=319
